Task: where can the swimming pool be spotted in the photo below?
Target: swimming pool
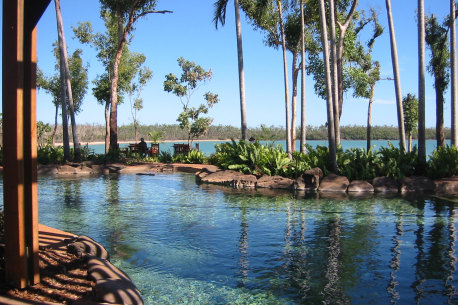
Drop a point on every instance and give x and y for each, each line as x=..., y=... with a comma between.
x=182, y=243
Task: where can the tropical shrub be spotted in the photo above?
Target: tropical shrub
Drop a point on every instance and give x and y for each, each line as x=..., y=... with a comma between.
x=298, y=165
x=443, y=162
x=357, y=164
x=396, y=163
x=276, y=161
x=165, y=157
x=50, y=154
x=194, y=157
x=319, y=157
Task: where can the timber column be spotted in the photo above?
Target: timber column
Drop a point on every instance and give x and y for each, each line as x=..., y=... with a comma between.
x=20, y=194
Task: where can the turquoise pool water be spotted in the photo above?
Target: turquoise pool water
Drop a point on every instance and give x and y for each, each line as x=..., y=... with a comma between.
x=182, y=243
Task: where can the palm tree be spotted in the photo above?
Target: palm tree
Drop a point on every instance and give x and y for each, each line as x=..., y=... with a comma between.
x=421, y=85
x=397, y=80
x=303, y=125
x=334, y=77
x=329, y=95
x=453, y=73
x=220, y=16
x=285, y=70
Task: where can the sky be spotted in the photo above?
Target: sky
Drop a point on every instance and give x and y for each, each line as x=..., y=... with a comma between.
x=189, y=32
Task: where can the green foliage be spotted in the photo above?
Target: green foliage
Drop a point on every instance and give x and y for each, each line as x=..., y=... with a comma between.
x=319, y=157
x=43, y=128
x=78, y=79
x=443, y=162
x=190, y=118
x=410, y=107
x=49, y=154
x=155, y=136
x=298, y=165
x=357, y=164
x=251, y=158
x=165, y=157
x=194, y=157
x=396, y=163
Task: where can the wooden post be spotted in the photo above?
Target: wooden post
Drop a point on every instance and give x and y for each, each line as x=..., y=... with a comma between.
x=20, y=194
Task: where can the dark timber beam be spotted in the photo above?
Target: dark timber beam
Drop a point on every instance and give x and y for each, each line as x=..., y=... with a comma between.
x=20, y=195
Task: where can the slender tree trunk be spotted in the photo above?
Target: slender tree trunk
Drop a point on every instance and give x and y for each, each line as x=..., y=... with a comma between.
x=303, y=105
x=63, y=100
x=394, y=59
x=421, y=87
x=334, y=78
x=238, y=28
x=329, y=104
x=285, y=70
x=440, y=132
x=340, y=51
x=369, y=118
x=122, y=34
x=294, y=104
x=53, y=135
x=410, y=141
x=107, y=127
x=63, y=52
x=453, y=73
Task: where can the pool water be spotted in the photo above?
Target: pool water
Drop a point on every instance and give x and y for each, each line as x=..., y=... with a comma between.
x=182, y=243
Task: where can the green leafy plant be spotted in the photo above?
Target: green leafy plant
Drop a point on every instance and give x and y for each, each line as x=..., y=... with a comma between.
x=49, y=154
x=396, y=163
x=195, y=157
x=443, y=162
x=165, y=157
x=357, y=164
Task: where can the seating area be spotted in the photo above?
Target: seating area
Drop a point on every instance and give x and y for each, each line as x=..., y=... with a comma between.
x=183, y=148
x=153, y=150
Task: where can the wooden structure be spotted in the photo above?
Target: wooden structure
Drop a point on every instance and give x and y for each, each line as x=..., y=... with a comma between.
x=183, y=148
x=20, y=195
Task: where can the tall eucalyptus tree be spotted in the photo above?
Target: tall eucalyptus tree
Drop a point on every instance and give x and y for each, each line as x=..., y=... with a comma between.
x=397, y=80
x=454, y=100
x=66, y=85
x=220, y=17
x=127, y=13
x=421, y=86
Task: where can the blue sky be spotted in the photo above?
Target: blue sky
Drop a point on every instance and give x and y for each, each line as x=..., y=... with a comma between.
x=190, y=33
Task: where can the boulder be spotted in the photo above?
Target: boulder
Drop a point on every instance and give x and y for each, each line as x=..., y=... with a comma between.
x=275, y=182
x=244, y=181
x=385, y=185
x=334, y=183
x=447, y=185
x=360, y=186
x=66, y=169
x=416, y=184
x=225, y=177
x=312, y=178
x=84, y=245
x=47, y=170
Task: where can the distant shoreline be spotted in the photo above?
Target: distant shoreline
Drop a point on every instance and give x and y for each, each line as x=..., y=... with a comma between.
x=127, y=142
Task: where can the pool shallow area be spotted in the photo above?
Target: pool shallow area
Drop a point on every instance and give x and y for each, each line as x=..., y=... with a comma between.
x=182, y=243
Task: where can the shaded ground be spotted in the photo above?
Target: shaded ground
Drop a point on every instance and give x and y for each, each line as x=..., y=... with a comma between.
x=63, y=275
